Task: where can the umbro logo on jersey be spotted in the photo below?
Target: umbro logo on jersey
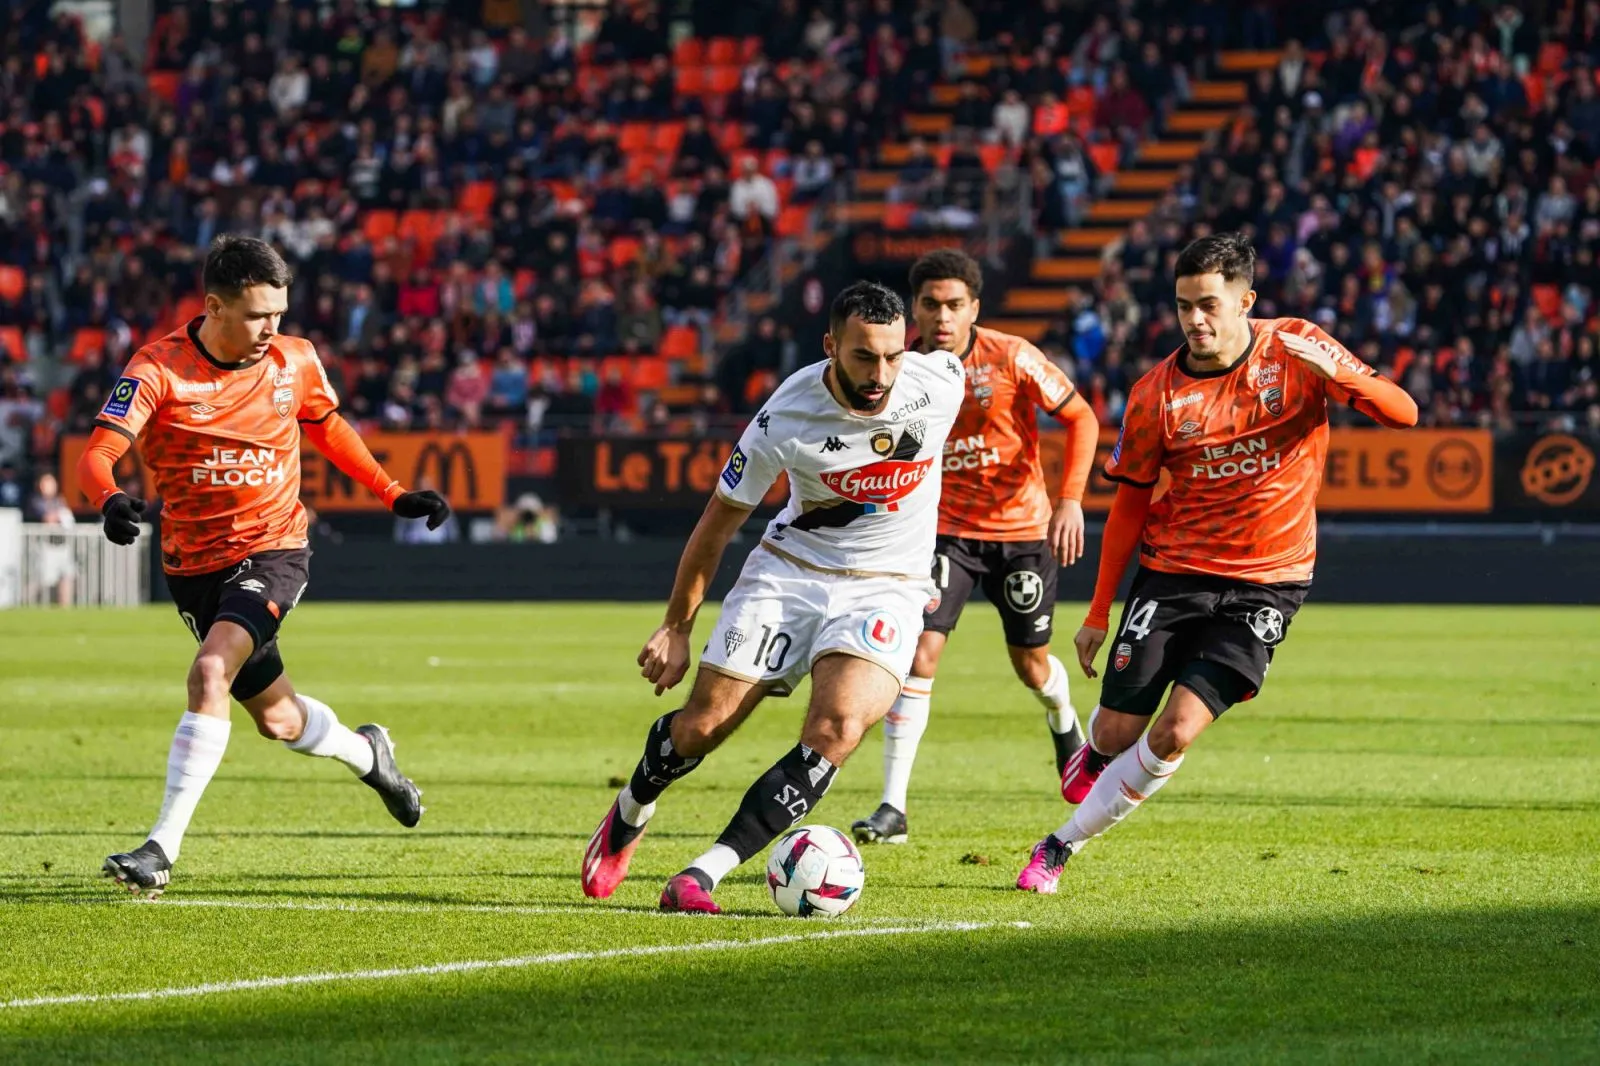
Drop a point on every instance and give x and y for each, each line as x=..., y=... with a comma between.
x=763, y=420
x=834, y=444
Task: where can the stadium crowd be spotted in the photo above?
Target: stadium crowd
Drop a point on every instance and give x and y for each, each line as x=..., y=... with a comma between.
x=471, y=197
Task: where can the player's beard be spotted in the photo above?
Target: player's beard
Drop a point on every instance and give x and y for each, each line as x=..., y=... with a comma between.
x=853, y=395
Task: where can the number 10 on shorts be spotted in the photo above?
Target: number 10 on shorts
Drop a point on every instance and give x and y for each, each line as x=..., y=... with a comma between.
x=773, y=649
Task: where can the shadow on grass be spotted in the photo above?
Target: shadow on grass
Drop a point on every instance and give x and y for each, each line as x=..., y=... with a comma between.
x=1462, y=986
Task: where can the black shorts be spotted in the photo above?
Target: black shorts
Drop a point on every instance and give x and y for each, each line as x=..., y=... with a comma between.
x=256, y=594
x=1215, y=635
x=1018, y=577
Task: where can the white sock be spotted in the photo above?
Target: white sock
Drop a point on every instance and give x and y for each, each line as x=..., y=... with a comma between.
x=716, y=863
x=632, y=811
x=196, y=752
x=325, y=737
x=1132, y=778
x=1057, y=699
x=903, y=727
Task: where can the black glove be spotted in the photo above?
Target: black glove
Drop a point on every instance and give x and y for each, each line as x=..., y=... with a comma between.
x=122, y=518
x=422, y=504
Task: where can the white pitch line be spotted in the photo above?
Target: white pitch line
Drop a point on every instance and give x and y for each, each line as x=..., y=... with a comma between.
x=472, y=965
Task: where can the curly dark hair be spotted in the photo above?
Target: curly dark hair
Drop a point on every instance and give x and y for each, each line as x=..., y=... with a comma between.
x=872, y=303
x=947, y=264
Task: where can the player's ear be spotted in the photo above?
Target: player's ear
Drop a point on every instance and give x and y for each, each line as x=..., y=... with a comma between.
x=830, y=347
x=1247, y=301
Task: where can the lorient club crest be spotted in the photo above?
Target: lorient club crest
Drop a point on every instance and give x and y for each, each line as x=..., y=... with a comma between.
x=1123, y=656
x=283, y=401
x=1272, y=400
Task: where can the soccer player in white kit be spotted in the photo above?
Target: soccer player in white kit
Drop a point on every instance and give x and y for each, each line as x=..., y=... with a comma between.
x=836, y=588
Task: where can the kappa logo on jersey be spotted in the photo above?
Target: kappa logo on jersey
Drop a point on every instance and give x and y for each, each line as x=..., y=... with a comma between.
x=1123, y=656
x=733, y=473
x=881, y=632
x=122, y=394
x=880, y=486
x=882, y=442
x=834, y=444
x=1024, y=590
x=763, y=420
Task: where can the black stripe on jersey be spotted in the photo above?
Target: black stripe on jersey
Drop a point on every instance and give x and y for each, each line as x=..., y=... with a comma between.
x=1058, y=408
x=1119, y=479
x=103, y=424
x=831, y=517
x=318, y=421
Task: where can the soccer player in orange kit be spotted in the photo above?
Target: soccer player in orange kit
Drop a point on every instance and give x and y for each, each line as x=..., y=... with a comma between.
x=219, y=407
x=999, y=525
x=1238, y=420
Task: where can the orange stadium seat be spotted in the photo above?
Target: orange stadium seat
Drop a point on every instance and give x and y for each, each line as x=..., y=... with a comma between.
x=749, y=48
x=164, y=84
x=477, y=198
x=623, y=251
x=379, y=224
x=666, y=138
x=1547, y=298
x=635, y=137
x=723, y=80
x=691, y=81
x=785, y=187
x=650, y=373
x=730, y=136
x=1552, y=57
x=59, y=402
x=722, y=50
x=793, y=220
x=993, y=155
x=690, y=52
x=14, y=344
x=1106, y=156
x=85, y=341
x=680, y=342
x=13, y=283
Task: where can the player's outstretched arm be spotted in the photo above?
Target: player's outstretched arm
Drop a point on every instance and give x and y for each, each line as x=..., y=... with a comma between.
x=338, y=440
x=665, y=658
x=1376, y=397
x=1124, y=528
x=97, y=475
x=1083, y=437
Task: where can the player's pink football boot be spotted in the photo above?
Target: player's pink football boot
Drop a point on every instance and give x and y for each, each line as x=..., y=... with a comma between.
x=1043, y=871
x=1080, y=774
x=684, y=893
x=605, y=860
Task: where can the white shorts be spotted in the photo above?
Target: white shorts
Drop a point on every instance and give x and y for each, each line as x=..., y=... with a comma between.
x=781, y=617
x=55, y=564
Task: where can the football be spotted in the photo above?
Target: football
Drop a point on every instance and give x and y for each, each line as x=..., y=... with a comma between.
x=815, y=871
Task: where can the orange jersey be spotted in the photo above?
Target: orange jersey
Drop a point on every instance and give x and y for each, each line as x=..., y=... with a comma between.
x=993, y=478
x=222, y=444
x=1244, y=448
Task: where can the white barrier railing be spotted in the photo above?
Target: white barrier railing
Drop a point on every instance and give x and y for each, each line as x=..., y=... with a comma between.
x=78, y=567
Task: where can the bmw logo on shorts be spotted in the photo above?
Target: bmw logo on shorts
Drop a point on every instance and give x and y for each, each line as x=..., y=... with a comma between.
x=1024, y=590
x=881, y=632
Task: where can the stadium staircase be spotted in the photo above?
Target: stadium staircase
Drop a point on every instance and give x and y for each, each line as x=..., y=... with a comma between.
x=1029, y=305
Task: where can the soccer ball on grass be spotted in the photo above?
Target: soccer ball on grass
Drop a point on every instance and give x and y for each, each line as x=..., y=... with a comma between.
x=815, y=871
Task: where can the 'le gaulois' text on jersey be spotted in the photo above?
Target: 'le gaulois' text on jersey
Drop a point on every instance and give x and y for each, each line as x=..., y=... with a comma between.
x=863, y=489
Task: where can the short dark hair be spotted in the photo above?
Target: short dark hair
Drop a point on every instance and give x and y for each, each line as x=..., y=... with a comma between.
x=947, y=264
x=875, y=304
x=235, y=263
x=1228, y=254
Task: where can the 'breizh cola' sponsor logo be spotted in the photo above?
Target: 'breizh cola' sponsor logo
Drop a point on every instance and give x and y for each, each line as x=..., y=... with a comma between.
x=882, y=482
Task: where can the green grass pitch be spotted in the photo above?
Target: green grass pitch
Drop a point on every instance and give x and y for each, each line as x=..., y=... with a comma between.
x=1392, y=856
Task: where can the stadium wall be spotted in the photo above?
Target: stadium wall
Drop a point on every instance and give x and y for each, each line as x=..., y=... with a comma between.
x=1461, y=566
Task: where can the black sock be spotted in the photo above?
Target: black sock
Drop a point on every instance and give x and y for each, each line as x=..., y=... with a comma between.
x=661, y=764
x=779, y=798
x=1094, y=762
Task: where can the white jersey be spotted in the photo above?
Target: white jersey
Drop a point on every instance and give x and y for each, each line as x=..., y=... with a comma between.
x=863, y=489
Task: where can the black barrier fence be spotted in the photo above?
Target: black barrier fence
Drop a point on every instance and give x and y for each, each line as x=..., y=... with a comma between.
x=1470, y=567
x=1547, y=477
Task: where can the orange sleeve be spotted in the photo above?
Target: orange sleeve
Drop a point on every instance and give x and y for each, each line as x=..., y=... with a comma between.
x=338, y=440
x=1083, y=438
x=98, y=464
x=1124, y=528
x=1378, y=398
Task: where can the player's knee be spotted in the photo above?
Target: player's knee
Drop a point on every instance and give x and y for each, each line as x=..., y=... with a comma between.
x=836, y=737
x=208, y=678
x=1111, y=733
x=926, y=661
x=1169, y=738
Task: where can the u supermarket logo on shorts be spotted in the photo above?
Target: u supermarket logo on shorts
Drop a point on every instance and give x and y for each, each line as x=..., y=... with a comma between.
x=881, y=632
